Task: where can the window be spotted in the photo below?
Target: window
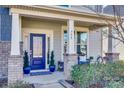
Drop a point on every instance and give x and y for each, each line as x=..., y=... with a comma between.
x=81, y=43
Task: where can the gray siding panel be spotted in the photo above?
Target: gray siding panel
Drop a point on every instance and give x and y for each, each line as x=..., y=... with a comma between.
x=0, y=27
x=5, y=24
x=6, y=28
x=4, y=10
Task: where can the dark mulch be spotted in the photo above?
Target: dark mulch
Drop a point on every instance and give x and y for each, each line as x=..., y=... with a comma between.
x=78, y=86
x=73, y=83
x=32, y=86
x=96, y=86
x=3, y=82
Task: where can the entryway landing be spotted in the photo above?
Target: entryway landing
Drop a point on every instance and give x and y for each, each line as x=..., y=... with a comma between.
x=46, y=81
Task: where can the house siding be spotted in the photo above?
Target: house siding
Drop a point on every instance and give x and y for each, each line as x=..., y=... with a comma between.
x=5, y=37
x=94, y=44
x=5, y=24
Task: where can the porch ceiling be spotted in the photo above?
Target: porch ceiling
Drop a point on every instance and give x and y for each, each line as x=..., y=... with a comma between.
x=62, y=22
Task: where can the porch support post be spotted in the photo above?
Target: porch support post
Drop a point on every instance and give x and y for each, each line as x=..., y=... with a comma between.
x=15, y=35
x=111, y=54
x=15, y=61
x=110, y=41
x=70, y=58
x=71, y=41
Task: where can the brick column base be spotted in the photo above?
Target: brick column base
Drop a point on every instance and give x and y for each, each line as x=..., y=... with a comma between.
x=15, y=69
x=69, y=61
x=111, y=57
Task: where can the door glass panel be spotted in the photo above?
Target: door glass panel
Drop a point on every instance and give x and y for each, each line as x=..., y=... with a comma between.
x=37, y=46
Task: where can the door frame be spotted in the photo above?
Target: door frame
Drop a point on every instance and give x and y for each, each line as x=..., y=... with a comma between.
x=48, y=32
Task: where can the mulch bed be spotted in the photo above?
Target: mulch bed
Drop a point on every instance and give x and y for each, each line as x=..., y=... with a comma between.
x=73, y=83
x=3, y=82
x=96, y=86
x=78, y=86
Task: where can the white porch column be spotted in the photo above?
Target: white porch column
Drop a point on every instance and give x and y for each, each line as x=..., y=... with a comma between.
x=71, y=41
x=15, y=61
x=70, y=59
x=15, y=35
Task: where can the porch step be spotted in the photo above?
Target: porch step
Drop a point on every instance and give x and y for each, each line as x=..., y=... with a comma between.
x=65, y=84
x=40, y=73
x=39, y=70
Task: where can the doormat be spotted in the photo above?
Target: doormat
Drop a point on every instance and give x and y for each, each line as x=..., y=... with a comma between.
x=40, y=73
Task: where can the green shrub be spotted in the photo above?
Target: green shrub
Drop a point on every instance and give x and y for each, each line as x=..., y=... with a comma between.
x=52, y=61
x=115, y=84
x=26, y=60
x=87, y=75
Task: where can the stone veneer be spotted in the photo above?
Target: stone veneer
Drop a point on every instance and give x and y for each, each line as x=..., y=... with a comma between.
x=69, y=61
x=15, y=69
x=10, y=66
x=5, y=47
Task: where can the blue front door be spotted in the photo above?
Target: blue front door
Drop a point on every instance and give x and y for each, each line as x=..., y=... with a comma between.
x=37, y=50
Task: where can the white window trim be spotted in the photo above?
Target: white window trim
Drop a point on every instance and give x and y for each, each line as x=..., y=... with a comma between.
x=79, y=29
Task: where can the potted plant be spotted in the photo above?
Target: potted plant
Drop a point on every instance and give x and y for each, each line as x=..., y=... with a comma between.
x=52, y=65
x=26, y=67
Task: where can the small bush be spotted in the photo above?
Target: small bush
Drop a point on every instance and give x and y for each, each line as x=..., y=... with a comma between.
x=115, y=84
x=26, y=60
x=99, y=75
x=20, y=84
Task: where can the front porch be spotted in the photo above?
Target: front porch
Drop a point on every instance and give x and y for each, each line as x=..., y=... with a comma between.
x=42, y=31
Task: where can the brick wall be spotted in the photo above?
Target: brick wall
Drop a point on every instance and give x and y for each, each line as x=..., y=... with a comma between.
x=5, y=47
x=15, y=69
x=69, y=61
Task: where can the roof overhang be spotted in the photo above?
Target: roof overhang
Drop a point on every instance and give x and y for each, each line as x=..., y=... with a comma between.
x=61, y=13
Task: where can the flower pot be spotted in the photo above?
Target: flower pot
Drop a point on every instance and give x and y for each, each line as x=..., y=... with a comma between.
x=52, y=68
x=26, y=70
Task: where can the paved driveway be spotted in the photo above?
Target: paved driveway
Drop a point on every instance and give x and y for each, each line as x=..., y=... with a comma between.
x=46, y=81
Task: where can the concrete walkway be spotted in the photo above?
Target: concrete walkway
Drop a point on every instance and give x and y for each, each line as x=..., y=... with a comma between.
x=46, y=81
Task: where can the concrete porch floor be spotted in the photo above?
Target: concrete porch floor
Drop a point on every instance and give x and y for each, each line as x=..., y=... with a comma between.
x=46, y=81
